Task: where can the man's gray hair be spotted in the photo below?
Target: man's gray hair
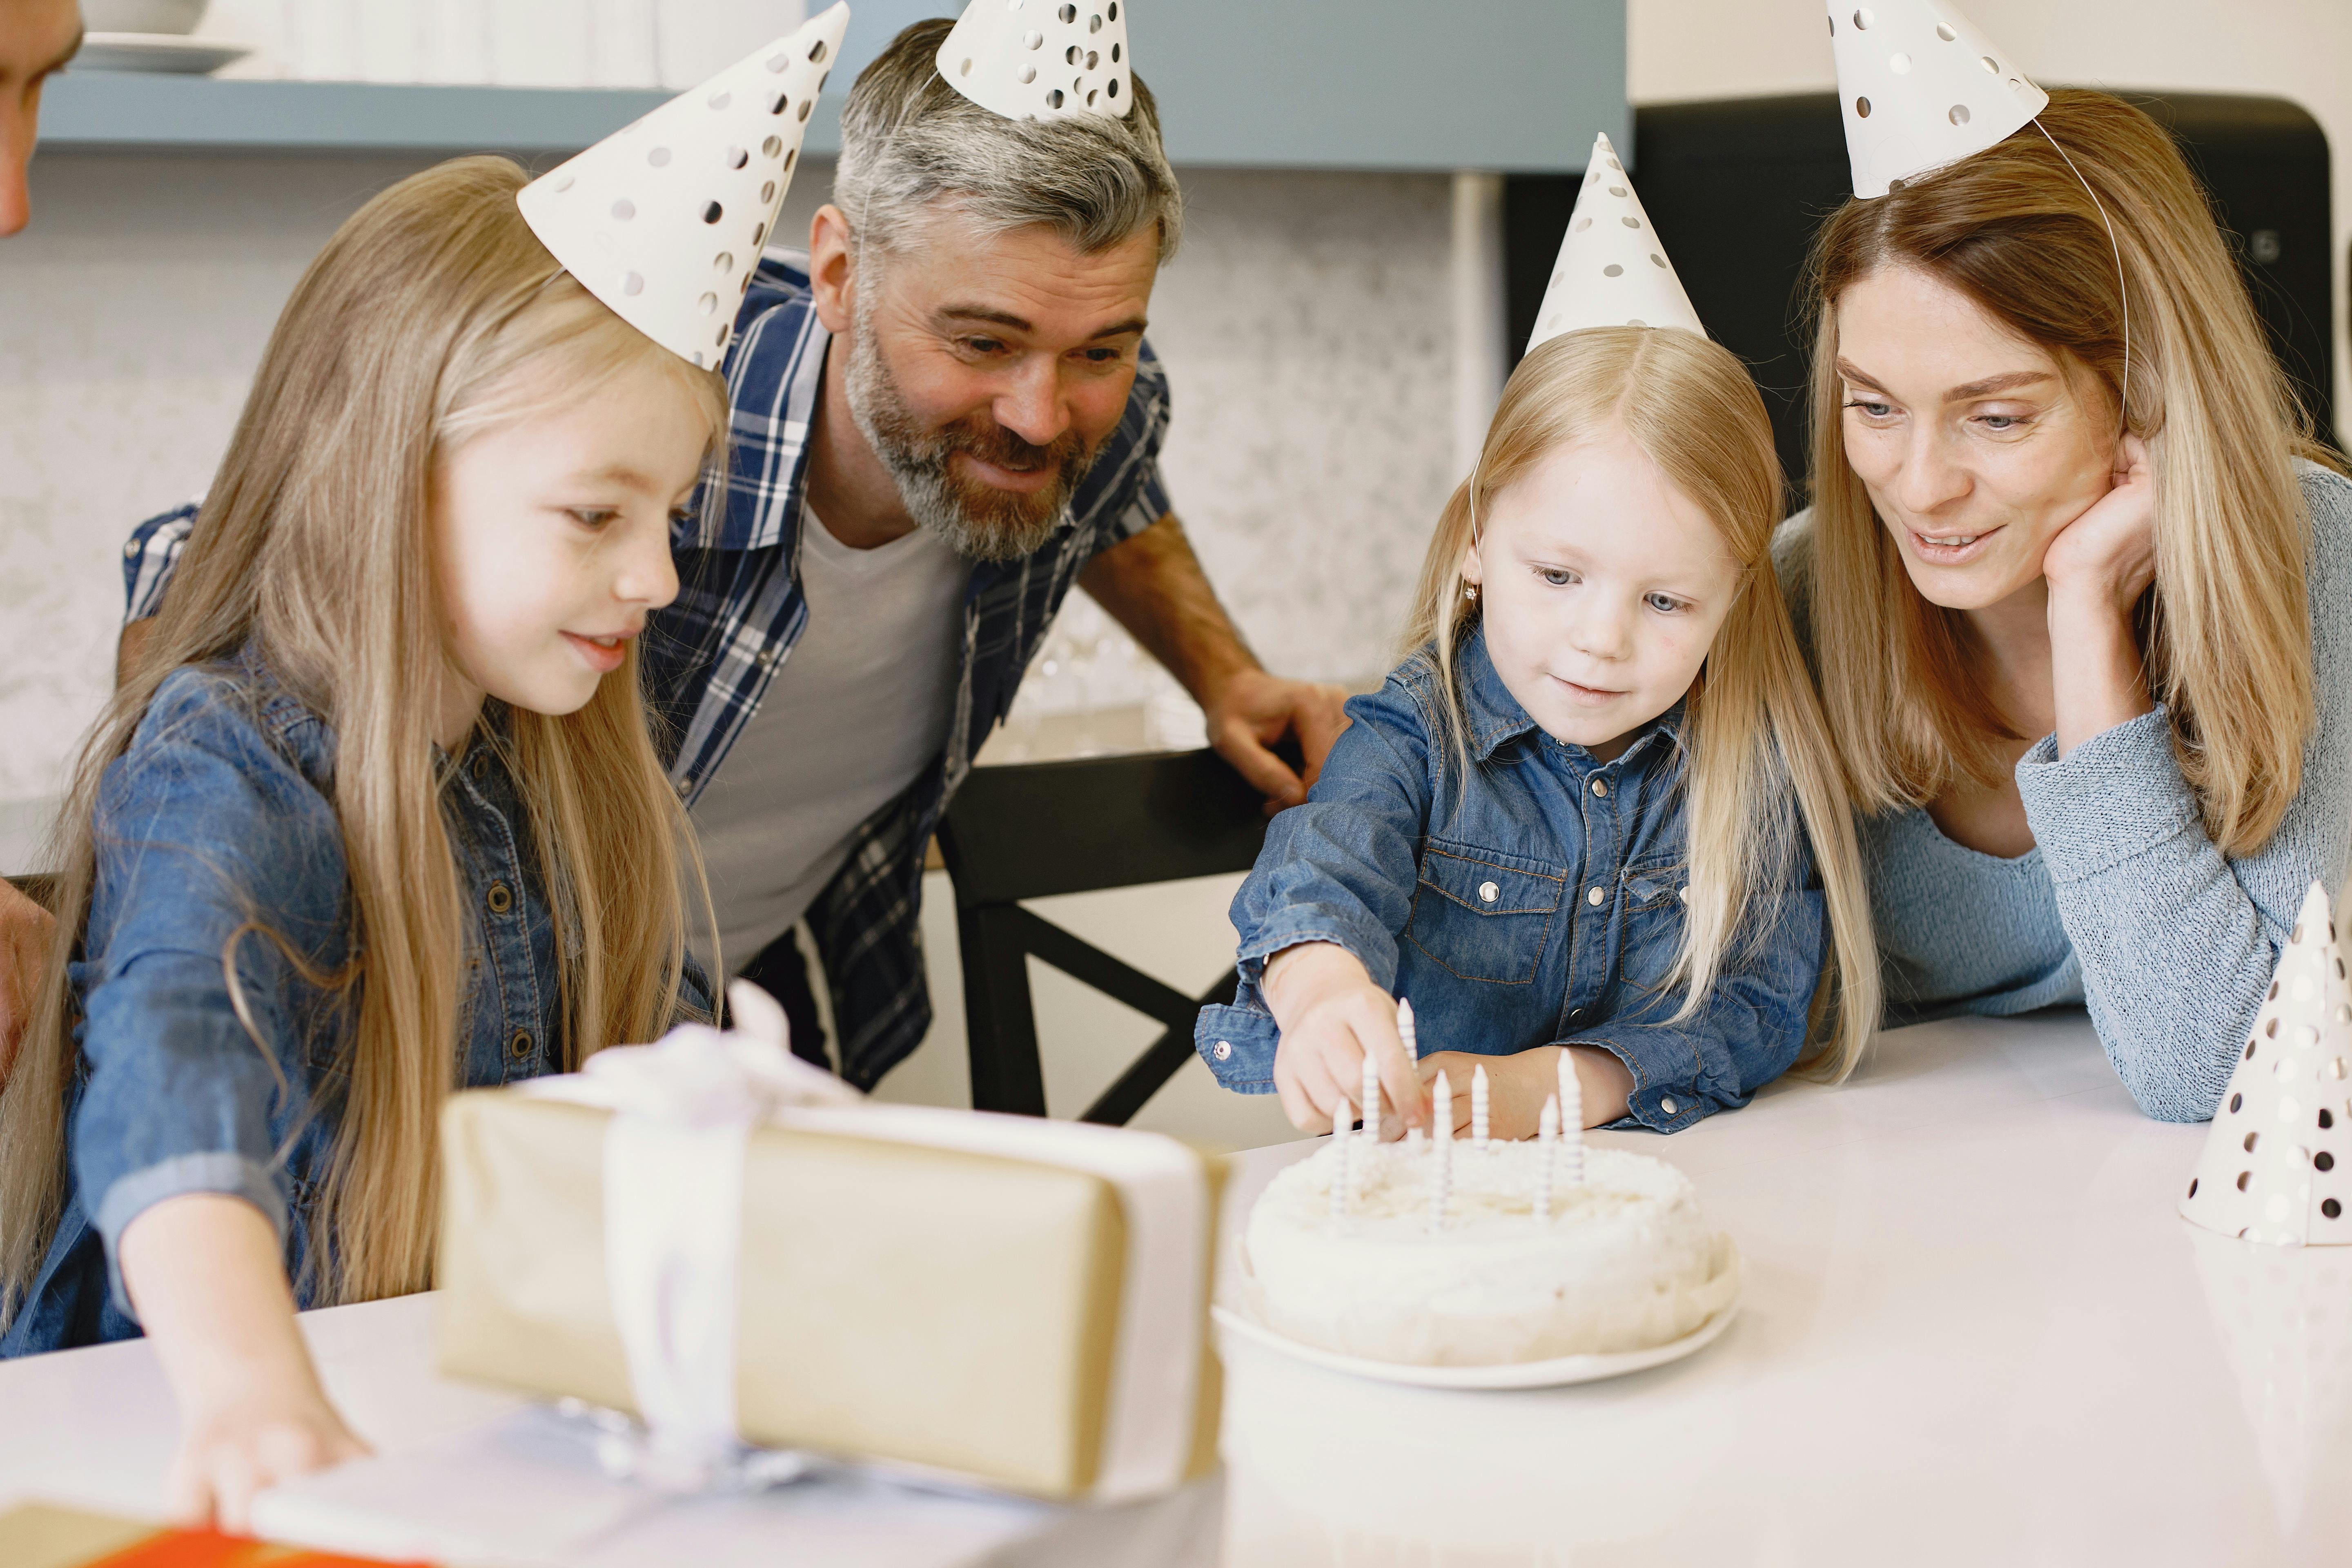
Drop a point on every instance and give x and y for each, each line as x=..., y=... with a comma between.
x=908, y=139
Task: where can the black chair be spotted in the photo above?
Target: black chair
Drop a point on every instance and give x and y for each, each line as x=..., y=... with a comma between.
x=41, y=889
x=1737, y=187
x=1041, y=829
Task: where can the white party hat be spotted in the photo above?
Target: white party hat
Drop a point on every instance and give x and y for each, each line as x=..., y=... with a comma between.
x=1921, y=87
x=1041, y=59
x=1612, y=272
x=2277, y=1165
x=663, y=220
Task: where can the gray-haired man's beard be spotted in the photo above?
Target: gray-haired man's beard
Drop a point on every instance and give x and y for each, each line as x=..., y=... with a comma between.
x=978, y=521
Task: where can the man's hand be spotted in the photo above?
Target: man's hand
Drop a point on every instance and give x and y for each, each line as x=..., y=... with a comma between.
x=26, y=929
x=1152, y=585
x=1253, y=710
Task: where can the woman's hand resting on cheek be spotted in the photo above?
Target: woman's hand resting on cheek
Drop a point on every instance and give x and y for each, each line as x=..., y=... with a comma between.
x=1518, y=1085
x=205, y=1273
x=1330, y=1014
x=2107, y=555
x=2096, y=569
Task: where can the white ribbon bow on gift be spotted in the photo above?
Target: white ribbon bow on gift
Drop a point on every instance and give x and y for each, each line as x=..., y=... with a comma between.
x=683, y=1112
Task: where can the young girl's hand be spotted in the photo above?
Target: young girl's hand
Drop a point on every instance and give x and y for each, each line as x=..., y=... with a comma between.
x=279, y=1429
x=1518, y=1085
x=206, y=1273
x=1330, y=1014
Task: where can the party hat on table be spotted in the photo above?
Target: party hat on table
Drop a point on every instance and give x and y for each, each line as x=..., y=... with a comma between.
x=1612, y=272
x=663, y=221
x=1921, y=87
x=1041, y=59
x=2277, y=1165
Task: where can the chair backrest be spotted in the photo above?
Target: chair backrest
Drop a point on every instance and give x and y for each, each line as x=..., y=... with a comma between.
x=1036, y=830
x=40, y=887
x=1737, y=186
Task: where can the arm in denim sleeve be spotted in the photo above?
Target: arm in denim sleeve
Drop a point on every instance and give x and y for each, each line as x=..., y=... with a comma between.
x=205, y=831
x=1340, y=868
x=1749, y=1031
x=149, y=558
x=2177, y=939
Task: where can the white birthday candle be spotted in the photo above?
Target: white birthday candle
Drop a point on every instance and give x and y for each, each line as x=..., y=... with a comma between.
x=1478, y=1108
x=1440, y=1138
x=1406, y=1030
x=1571, y=1121
x=1372, y=1096
x=1547, y=1133
x=1342, y=1157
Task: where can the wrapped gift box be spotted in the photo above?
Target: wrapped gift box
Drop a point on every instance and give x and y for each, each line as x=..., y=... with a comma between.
x=901, y=1295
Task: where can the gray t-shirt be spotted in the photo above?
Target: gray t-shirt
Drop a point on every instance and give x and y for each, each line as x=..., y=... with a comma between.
x=2123, y=903
x=855, y=711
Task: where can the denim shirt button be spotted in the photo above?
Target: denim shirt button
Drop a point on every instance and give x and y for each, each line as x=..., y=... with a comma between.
x=1489, y=892
x=500, y=898
x=1224, y=1050
x=520, y=1046
x=1667, y=1105
x=1596, y=897
x=1600, y=787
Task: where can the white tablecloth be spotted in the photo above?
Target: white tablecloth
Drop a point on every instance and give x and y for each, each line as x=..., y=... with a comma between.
x=1974, y=1330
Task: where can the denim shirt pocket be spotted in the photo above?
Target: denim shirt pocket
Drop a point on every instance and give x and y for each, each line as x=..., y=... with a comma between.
x=1655, y=915
x=1484, y=915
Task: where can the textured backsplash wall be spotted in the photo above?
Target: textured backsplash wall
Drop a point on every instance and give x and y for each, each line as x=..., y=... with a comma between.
x=1305, y=326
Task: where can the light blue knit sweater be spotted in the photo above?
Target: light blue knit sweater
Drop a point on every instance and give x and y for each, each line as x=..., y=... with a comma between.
x=2124, y=904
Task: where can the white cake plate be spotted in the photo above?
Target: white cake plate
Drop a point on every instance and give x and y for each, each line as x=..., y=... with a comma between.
x=1241, y=1321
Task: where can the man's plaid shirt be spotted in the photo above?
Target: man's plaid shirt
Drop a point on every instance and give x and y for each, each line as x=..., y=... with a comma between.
x=708, y=657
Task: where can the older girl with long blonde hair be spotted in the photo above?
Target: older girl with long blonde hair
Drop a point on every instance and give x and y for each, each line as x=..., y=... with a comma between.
x=376, y=818
x=2080, y=631
x=1596, y=810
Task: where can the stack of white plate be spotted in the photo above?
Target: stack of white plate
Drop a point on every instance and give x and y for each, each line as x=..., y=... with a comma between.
x=151, y=36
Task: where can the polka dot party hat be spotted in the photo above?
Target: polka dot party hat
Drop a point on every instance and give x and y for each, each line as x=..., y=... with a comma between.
x=1041, y=59
x=1920, y=88
x=2277, y=1165
x=663, y=220
x=1612, y=272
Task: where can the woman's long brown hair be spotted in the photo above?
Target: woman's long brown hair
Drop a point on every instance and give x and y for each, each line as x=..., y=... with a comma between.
x=433, y=315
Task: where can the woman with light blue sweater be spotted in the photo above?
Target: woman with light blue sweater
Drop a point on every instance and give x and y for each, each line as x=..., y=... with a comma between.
x=2087, y=654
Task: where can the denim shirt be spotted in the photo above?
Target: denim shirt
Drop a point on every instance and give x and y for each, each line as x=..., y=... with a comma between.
x=218, y=817
x=1535, y=900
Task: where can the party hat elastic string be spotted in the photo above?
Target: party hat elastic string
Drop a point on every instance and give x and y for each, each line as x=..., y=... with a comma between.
x=2123, y=286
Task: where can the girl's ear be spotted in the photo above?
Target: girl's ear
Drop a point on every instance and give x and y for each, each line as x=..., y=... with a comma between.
x=1473, y=569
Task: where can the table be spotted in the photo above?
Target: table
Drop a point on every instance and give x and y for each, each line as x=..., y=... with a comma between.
x=1974, y=1330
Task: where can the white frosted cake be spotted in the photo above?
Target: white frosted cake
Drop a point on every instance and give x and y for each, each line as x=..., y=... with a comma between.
x=1624, y=1261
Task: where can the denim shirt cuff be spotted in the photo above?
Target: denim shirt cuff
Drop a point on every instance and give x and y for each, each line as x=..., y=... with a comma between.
x=1371, y=943
x=1238, y=1043
x=1665, y=1098
x=2115, y=797
x=231, y=1175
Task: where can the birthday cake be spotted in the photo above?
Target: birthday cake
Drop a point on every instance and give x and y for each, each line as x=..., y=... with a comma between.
x=1622, y=1260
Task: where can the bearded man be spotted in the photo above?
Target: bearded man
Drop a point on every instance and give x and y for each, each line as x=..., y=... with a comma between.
x=944, y=414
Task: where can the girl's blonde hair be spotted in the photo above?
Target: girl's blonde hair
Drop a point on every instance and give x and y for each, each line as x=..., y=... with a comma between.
x=2227, y=629
x=1752, y=734
x=432, y=316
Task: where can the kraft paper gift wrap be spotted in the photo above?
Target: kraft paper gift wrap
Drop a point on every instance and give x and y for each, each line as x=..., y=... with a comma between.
x=927, y=1306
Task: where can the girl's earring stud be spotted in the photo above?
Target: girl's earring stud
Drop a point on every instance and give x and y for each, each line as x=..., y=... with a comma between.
x=1469, y=590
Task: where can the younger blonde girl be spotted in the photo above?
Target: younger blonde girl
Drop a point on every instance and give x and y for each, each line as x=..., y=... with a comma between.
x=1596, y=810
x=377, y=818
